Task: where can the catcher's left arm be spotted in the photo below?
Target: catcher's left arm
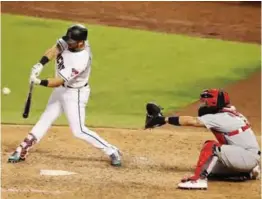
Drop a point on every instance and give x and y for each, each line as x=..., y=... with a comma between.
x=155, y=118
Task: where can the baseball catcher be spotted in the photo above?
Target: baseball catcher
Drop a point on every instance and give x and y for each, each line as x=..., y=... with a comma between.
x=234, y=153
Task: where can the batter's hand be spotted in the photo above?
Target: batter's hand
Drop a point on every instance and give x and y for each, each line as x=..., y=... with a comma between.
x=37, y=69
x=34, y=79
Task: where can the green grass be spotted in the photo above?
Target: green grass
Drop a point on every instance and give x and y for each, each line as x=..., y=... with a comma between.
x=130, y=68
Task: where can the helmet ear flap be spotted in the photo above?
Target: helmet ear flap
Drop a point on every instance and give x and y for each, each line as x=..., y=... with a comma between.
x=221, y=100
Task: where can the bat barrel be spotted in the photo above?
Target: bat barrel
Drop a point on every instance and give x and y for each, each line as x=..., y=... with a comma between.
x=28, y=102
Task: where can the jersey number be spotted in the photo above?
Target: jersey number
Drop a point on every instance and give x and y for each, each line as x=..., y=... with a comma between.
x=238, y=117
x=60, y=62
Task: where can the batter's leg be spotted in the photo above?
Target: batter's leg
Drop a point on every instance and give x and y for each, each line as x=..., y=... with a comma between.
x=52, y=111
x=74, y=109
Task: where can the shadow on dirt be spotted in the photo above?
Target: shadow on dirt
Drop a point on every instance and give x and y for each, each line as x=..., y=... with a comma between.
x=128, y=163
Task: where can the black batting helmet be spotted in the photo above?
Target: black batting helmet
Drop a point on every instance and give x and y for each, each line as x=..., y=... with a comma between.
x=76, y=33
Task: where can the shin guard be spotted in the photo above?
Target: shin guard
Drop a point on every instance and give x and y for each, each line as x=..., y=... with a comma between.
x=207, y=155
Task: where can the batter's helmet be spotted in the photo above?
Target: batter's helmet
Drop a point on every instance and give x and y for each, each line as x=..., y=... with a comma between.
x=76, y=33
x=215, y=98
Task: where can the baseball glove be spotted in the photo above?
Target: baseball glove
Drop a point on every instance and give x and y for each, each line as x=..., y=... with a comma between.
x=154, y=117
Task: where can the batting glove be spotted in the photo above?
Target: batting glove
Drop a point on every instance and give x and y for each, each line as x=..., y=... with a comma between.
x=34, y=79
x=37, y=69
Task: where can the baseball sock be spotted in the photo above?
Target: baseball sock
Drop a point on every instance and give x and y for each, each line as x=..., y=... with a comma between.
x=24, y=147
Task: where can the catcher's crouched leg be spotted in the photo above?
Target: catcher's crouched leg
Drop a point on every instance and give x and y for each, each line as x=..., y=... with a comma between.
x=222, y=173
x=207, y=160
x=236, y=164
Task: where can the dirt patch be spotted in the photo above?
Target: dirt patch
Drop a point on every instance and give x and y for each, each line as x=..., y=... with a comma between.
x=230, y=21
x=154, y=162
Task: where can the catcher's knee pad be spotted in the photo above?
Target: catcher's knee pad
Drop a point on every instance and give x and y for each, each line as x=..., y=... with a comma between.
x=211, y=147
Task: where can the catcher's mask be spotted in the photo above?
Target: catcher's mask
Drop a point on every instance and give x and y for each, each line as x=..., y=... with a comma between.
x=214, y=98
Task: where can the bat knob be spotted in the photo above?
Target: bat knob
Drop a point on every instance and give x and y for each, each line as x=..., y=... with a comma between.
x=25, y=115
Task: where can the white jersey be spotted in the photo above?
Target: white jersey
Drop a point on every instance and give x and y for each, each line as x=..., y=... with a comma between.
x=74, y=67
x=72, y=98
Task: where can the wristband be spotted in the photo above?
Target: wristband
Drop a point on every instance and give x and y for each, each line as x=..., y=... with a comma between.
x=174, y=120
x=44, y=82
x=44, y=60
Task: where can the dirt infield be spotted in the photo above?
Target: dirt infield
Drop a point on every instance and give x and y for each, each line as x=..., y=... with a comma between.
x=232, y=21
x=154, y=161
x=153, y=164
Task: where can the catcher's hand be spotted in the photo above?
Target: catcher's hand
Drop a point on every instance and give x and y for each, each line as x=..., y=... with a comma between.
x=154, y=117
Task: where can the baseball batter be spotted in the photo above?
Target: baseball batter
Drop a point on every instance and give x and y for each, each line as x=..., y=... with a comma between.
x=70, y=96
x=236, y=151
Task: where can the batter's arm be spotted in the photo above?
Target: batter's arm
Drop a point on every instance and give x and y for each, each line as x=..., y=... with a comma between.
x=184, y=121
x=54, y=82
x=50, y=54
x=49, y=82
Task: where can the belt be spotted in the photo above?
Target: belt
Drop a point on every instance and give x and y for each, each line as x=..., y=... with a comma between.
x=74, y=87
x=240, y=130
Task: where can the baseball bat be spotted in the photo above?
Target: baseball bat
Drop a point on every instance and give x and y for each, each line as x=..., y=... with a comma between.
x=28, y=101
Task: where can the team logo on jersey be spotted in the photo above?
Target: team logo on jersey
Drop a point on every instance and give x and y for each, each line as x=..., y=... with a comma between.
x=60, y=62
x=74, y=72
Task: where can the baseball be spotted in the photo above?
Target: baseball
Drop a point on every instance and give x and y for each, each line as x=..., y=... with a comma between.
x=6, y=91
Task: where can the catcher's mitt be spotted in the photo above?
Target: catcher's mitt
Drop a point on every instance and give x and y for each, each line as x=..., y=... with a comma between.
x=154, y=117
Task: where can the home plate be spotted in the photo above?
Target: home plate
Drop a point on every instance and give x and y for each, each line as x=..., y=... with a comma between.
x=55, y=173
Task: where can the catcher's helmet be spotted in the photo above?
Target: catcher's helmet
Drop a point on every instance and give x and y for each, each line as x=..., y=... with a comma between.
x=215, y=98
x=76, y=33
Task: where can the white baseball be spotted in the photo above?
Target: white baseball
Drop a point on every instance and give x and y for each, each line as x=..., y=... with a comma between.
x=6, y=91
